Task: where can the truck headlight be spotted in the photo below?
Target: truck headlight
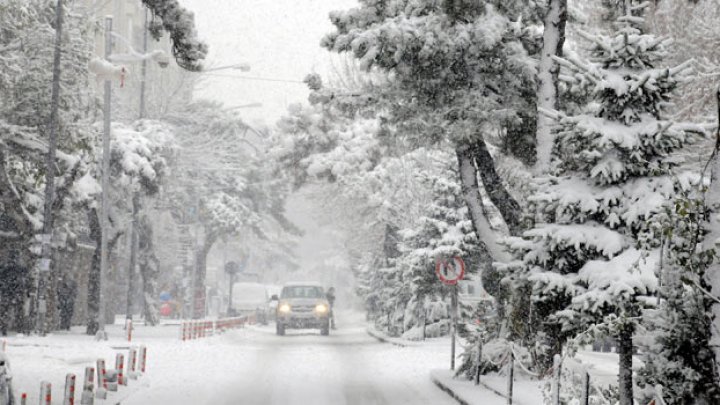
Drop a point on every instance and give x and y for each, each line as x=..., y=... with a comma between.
x=321, y=308
x=284, y=308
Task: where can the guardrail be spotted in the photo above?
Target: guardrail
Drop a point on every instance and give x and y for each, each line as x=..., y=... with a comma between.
x=197, y=329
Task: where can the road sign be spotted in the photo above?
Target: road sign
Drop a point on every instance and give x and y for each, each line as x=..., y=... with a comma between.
x=450, y=271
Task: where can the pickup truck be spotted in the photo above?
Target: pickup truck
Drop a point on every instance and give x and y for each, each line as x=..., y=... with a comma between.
x=302, y=306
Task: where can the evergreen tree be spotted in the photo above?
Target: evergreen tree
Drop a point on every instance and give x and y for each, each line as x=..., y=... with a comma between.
x=180, y=24
x=593, y=259
x=459, y=70
x=677, y=352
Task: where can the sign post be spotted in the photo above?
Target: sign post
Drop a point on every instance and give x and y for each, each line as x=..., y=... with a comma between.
x=450, y=272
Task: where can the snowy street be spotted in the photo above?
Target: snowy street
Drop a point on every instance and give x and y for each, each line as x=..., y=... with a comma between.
x=254, y=366
x=494, y=201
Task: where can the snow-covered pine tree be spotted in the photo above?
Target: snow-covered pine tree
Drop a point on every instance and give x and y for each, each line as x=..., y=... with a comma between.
x=593, y=261
x=459, y=69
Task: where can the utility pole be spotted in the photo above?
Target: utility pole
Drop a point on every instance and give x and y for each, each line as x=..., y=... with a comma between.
x=45, y=261
x=104, y=221
x=136, y=194
x=143, y=71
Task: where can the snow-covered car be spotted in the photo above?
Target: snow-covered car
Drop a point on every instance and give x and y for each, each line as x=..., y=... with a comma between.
x=303, y=306
x=250, y=299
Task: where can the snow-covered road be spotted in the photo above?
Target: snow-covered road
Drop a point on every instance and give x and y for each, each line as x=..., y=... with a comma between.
x=254, y=366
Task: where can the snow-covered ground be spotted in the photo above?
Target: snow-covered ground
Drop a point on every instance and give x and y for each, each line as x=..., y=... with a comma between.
x=254, y=366
x=34, y=359
x=249, y=366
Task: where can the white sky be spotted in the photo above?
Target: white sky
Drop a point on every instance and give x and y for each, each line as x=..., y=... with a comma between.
x=278, y=38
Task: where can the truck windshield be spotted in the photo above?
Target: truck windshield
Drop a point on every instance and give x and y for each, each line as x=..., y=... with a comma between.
x=302, y=291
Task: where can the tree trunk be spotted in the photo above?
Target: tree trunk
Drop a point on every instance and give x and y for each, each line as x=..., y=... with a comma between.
x=133, y=255
x=93, y=299
x=553, y=40
x=200, y=276
x=473, y=200
x=625, y=353
x=497, y=192
x=149, y=271
x=712, y=224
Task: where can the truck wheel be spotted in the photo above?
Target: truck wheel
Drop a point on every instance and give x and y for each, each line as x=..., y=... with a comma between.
x=280, y=329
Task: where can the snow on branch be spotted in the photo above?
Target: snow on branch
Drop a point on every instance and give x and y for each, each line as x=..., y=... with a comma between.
x=187, y=49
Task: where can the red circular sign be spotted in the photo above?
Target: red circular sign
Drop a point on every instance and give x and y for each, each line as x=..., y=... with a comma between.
x=165, y=309
x=450, y=271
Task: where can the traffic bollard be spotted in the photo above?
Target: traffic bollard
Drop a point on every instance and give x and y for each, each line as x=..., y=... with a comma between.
x=132, y=363
x=102, y=389
x=45, y=393
x=86, y=398
x=23, y=398
x=119, y=363
x=69, y=396
x=143, y=358
x=111, y=377
x=129, y=328
x=4, y=345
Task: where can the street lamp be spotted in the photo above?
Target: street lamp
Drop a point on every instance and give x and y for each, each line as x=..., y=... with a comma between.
x=243, y=67
x=250, y=105
x=106, y=70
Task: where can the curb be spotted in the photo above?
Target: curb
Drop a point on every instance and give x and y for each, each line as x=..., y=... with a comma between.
x=448, y=391
x=385, y=339
x=460, y=396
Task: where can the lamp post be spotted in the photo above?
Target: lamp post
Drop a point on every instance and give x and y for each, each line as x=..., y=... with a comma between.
x=105, y=178
x=102, y=69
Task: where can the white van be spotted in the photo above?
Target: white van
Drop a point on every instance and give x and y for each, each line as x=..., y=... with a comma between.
x=249, y=299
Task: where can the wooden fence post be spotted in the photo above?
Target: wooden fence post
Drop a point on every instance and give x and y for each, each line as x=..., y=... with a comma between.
x=511, y=370
x=557, y=373
x=586, y=389
x=479, y=360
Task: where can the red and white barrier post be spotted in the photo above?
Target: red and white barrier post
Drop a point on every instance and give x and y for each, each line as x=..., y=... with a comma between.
x=132, y=363
x=129, y=329
x=102, y=389
x=45, y=393
x=143, y=358
x=69, y=396
x=86, y=398
x=23, y=398
x=119, y=364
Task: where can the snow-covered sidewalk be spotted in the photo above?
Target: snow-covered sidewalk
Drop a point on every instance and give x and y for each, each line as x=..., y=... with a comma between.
x=34, y=359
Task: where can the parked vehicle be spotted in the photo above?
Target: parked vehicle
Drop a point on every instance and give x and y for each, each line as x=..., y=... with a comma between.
x=249, y=299
x=302, y=306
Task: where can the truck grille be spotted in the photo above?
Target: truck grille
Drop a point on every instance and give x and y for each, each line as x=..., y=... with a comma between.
x=303, y=308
